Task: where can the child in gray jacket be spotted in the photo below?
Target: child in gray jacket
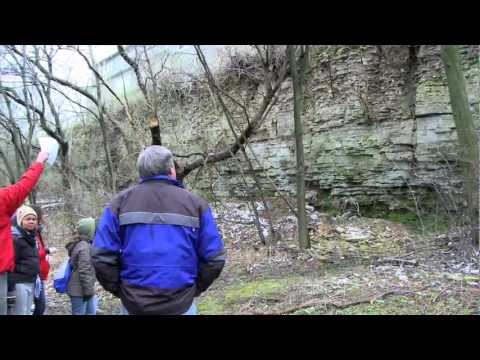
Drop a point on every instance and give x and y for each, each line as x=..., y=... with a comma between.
x=81, y=287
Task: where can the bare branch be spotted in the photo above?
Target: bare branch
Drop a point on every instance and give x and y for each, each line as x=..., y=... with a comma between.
x=189, y=155
x=98, y=76
x=48, y=75
x=249, y=130
x=135, y=68
x=43, y=122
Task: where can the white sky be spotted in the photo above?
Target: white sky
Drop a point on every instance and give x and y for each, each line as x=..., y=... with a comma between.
x=70, y=64
x=100, y=52
x=73, y=66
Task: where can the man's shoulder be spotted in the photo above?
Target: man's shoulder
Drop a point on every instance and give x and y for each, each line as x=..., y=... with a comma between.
x=178, y=191
x=145, y=189
x=194, y=197
x=127, y=191
x=117, y=198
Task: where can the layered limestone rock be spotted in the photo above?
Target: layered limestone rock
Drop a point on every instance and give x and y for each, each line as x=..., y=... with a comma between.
x=378, y=129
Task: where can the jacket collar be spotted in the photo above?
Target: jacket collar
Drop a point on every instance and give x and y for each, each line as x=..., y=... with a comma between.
x=165, y=178
x=29, y=236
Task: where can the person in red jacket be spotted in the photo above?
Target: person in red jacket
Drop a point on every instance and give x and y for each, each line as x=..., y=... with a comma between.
x=11, y=198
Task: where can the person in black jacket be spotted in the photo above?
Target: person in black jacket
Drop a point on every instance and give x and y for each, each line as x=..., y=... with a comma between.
x=27, y=262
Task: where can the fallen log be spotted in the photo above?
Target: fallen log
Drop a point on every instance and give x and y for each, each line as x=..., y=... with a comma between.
x=327, y=304
x=396, y=261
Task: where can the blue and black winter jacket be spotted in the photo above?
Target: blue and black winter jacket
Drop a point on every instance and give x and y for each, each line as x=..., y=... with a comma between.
x=157, y=246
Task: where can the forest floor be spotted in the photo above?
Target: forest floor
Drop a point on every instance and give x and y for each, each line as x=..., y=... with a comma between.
x=355, y=266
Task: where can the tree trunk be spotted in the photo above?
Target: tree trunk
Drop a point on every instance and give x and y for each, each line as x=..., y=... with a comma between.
x=112, y=183
x=230, y=121
x=154, y=126
x=103, y=127
x=152, y=118
x=466, y=132
x=67, y=185
x=297, y=80
x=8, y=167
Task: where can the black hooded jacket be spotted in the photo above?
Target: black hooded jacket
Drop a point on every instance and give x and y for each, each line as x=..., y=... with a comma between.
x=27, y=262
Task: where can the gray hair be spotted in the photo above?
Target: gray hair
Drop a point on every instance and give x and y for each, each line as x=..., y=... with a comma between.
x=155, y=160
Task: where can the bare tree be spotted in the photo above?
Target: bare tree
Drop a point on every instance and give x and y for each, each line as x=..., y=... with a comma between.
x=16, y=138
x=103, y=113
x=45, y=111
x=231, y=123
x=21, y=139
x=274, y=75
x=151, y=97
x=55, y=132
x=274, y=72
x=9, y=170
x=298, y=67
x=38, y=60
x=466, y=132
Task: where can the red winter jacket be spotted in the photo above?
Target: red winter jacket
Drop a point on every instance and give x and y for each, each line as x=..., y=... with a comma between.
x=42, y=254
x=11, y=198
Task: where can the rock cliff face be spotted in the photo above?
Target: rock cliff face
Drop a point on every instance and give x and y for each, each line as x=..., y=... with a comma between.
x=378, y=129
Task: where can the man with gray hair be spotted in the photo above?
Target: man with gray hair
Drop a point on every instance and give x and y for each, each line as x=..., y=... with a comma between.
x=157, y=245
